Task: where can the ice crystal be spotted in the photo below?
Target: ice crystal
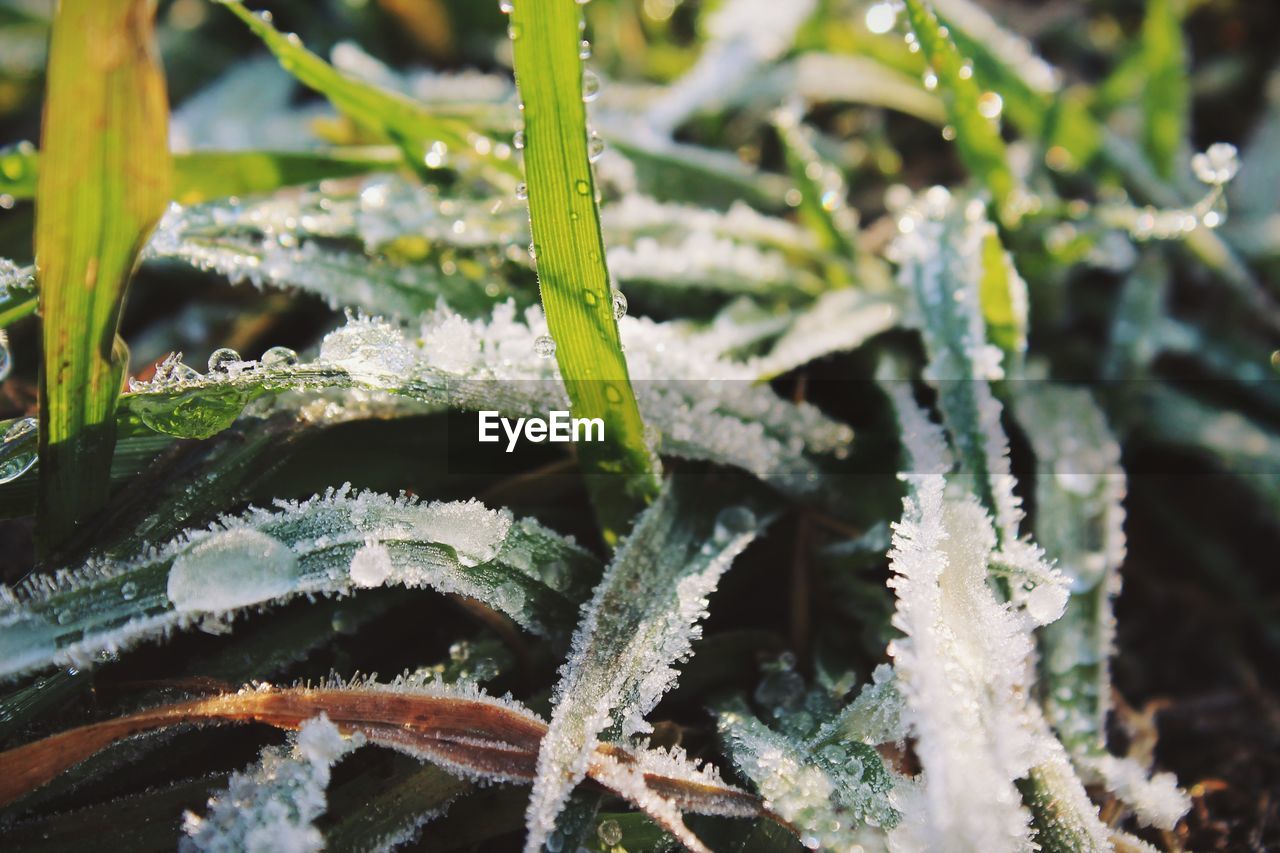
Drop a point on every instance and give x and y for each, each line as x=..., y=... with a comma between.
x=1157, y=799
x=273, y=805
x=836, y=796
x=702, y=406
x=640, y=621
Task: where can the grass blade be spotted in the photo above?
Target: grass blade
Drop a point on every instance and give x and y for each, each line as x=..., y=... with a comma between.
x=105, y=184
x=978, y=136
x=1166, y=90
x=569, y=249
x=390, y=114
x=331, y=544
x=639, y=622
x=203, y=175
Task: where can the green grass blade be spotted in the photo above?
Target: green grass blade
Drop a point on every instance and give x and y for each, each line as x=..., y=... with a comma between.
x=569, y=247
x=824, y=204
x=105, y=184
x=203, y=175
x=390, y=114
x=978, y=137
x=1166, y=90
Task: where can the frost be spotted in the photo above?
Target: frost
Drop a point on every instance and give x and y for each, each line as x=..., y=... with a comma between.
x=15, y=280
x=330, y=544
x=273, y=805
x=641, y=619
x=1156, y=798
x=941, y=258
x=248, y=108
x=701, y=405
x=965, y=671
x=1080, y=522
x=744, y=34
x=837, y=797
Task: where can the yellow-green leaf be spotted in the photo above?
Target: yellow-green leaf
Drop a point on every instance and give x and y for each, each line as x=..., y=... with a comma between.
x=105, y=183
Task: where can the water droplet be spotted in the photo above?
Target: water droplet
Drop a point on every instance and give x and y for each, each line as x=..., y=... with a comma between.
x=544, y=346
x=522, y=191
x=881, y=18
x=222, y=359
x=506, y=7
x=230, y=569
x=129, y=590
x=6, y=357
x=19, y=449
x=554, y=842
x=513, y=32
x=619, y=304
x=584, y=49
x=595, y=146
x=612, y=394
x=279, y=357
x=610, y=833
x=589, y=297
x=436, y=155
x=930, y=80
x=834, y=753
x=1217, y=165
x=990, y=105
x=582, y=186
x=948, y=133
x=733, y=522
x=518, y=140
x=590, y=86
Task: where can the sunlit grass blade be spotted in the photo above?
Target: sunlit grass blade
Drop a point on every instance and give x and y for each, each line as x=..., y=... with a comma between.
x=203, y=175
x=390, y=114
x=638, y=624
x=1166, y=88
x=105, y=182
x=570, y=255
x=970, y=112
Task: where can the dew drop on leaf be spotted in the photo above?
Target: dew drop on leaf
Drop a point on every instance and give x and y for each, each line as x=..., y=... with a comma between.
x=222, y=359
x=619, y=304
x=279, y=357
x=590, y=86
x=734, y=521
x=544, y=346
x=230, y=569
x=610, y=833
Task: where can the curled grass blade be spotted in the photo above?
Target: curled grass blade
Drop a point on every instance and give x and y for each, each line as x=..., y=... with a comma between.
x=455, y=727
